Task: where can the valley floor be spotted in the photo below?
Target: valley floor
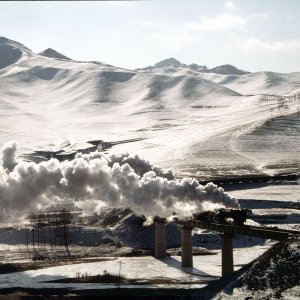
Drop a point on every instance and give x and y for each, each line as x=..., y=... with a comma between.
x=206, y=268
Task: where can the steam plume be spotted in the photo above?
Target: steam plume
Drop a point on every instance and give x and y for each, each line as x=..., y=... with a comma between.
x=119, y=181
x=9, y=155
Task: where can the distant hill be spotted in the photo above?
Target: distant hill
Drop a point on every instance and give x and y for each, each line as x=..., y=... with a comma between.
x=174, y=63
x=227, y=70
x=11, y=52
x=53, y=54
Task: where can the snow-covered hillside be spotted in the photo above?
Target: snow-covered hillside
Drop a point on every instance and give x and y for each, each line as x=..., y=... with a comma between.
x=197, y=123
x=274, y=275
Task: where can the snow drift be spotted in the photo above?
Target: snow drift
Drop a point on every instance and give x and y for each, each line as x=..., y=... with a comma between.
x=25, y=186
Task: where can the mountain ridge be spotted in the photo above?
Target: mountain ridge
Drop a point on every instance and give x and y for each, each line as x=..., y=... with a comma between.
x=49, y=52
x=19, y=48
x=172, y=62
x=11, y=52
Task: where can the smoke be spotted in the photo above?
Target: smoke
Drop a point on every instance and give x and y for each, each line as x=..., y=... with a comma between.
x=139, y=165
x=9, y=155
x=118, y=181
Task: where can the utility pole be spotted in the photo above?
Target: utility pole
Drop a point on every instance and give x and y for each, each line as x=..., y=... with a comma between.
x=120, y=266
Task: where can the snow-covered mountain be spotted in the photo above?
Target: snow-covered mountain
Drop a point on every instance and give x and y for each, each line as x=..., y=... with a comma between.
x=193, y=120
x=174, y=63
x=49, y=52
x=11, y=52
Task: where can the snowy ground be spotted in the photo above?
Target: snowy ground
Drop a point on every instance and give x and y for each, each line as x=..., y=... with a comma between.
x=273, y=203
x=198, y=124
x=206, y=268
x=201, y=125
x=272, y=191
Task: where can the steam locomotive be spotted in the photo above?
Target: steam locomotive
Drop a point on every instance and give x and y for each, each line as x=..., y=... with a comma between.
x=224, y=216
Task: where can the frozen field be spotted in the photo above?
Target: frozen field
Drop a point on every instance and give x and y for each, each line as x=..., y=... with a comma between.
x=206, y=268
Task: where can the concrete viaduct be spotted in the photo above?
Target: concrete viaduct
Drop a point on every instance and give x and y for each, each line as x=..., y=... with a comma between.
x=227, y=233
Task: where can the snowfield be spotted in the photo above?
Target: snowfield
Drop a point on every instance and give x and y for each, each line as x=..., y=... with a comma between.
x=206, y=268
x=211, y=124
x=199, y=124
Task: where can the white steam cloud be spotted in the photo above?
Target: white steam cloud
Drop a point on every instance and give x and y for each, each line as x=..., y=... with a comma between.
x=119, y=181
x=9, y=155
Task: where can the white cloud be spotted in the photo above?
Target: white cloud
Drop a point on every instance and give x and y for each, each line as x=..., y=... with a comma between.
x=217, y=23
x=175, y=40
x=230, y=5
x=179, y=40
x=192, y=32
x=119, y=3
x=253, y=45
x=257, y=16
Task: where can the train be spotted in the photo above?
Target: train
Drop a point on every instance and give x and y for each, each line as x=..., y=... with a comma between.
x=224, y=216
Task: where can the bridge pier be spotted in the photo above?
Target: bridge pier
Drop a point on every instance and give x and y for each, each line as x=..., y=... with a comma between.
x=160, y=238
x=227, y=254
x=186, y=247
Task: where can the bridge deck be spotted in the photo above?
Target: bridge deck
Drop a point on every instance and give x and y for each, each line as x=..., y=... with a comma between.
x=255, y=231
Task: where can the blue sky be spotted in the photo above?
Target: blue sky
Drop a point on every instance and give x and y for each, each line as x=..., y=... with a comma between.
x=255, y=35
